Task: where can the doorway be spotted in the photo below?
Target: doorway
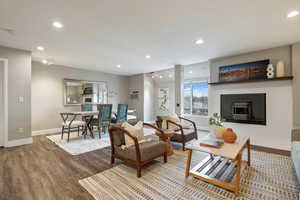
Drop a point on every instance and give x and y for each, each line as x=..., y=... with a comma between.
x=3, y=102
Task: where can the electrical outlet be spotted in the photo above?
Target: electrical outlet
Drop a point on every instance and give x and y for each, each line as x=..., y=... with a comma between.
x=20, y=130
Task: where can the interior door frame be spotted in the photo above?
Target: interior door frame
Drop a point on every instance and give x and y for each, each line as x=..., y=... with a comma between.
x=5, y=100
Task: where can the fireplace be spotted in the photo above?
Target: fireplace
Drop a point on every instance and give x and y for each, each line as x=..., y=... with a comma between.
x=244, y=108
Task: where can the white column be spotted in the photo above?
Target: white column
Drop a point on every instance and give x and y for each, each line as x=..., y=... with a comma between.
x=179, y=73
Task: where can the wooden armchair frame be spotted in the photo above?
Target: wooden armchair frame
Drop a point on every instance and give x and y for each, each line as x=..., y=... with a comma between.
x=184, y=141
x=138, y=162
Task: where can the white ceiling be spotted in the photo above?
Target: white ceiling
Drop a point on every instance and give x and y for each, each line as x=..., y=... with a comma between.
x=99, y=34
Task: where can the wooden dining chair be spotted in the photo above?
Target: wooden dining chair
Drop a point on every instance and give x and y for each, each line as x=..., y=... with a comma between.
x=104, y=118
x=71, y=124
x=122, y=113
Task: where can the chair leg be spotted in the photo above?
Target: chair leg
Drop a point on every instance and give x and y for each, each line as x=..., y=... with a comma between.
x=183, y=146
x=112, y=161
x=69, y=134
x=78, y=130
x=99, y=130
x=139, y=169
x=62, y=132
x=165, y=157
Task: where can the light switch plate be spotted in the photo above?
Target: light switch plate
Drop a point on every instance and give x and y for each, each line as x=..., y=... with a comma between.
x=21, y=99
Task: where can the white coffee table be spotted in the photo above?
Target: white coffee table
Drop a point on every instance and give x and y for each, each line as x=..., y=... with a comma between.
x=223, y=166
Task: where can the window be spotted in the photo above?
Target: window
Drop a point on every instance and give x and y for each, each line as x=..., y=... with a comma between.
x=196, y=99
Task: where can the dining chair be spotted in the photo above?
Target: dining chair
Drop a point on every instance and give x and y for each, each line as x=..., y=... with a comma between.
x=71, y=124
x=104, y=118
x=122, y=113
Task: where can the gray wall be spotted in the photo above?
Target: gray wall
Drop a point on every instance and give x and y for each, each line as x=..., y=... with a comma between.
x=1, y=104
x=274, y=54
x=296, y=83
x=47, y=92
x=136, y=83
x=19, y=85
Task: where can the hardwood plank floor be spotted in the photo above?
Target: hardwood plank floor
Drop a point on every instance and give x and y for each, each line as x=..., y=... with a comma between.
x=43, y=171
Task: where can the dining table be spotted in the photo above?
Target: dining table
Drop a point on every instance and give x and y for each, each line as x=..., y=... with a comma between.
x=87, y=116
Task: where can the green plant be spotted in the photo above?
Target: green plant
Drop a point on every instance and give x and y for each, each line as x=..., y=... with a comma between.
x=216, y=120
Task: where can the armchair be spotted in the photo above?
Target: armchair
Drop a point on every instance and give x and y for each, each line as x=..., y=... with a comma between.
x=140, y=153
x=182, y=134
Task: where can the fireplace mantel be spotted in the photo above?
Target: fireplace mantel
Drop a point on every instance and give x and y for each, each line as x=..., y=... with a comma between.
x=254, y=80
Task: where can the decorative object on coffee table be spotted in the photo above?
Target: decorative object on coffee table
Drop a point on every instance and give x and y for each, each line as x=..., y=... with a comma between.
x=229, y=136
x=280, y=69
x=217, y=125
x=166, y=137
x=270, y=71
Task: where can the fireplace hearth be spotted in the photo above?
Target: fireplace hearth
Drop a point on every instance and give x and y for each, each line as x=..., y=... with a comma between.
x=244, y=108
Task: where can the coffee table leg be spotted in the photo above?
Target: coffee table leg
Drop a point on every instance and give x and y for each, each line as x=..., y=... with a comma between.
x=238, y=174
x=248, y=154
x=188, y=163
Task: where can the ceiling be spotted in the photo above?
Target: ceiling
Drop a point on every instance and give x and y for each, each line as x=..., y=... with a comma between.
x=100, y=34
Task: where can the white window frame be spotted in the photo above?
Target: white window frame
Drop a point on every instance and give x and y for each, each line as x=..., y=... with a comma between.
x=194, y=82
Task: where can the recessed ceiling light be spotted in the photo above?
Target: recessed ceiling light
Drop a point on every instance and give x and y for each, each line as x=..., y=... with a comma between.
x=40, y=48
x=44, y=61
x=200, y=41
x=147, y=56
x=293, y=14
x=57, y=24
x=118, y=66
x=190, y=71
x=160, y=76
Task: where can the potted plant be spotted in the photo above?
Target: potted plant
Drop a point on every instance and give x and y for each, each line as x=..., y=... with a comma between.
x=216, y=123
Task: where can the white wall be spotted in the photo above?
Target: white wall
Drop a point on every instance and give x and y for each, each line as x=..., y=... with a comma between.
x=276, y=134
x=48, y=92
x=296, y=84
x=148, y=98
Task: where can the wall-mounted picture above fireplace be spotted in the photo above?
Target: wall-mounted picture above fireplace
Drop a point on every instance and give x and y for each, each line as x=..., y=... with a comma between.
x=244, y=71
x=244, y=108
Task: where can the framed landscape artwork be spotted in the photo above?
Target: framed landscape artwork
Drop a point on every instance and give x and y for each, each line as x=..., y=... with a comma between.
x=244, y=71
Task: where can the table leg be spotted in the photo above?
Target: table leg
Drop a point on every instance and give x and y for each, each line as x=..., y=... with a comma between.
x=248, y=153
x=188, y=163
x=238, y=174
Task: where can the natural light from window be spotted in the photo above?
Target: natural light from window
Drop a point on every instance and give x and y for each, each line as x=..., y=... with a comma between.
x=196, y=99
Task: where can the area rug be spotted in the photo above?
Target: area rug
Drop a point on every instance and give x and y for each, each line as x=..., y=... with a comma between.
x=78, y=145
x=270, y=176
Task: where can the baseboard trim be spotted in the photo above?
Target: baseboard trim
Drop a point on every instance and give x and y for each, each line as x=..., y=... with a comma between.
x=271, y=150
x=14, y=143
x=46, y=131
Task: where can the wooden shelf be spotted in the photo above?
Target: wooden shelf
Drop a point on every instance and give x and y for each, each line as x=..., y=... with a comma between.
x=254, y=80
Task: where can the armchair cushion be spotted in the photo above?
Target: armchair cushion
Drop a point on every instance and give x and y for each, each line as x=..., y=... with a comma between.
x=148, y=150
x=136, y=131
x=188, y=133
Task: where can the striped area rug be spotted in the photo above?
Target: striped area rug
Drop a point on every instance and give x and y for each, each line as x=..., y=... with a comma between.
x=269, y=177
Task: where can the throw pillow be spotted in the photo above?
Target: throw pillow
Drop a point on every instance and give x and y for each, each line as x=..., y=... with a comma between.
x=136, y=131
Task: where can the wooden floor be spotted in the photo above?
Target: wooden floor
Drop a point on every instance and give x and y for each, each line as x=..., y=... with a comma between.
x=44, y=171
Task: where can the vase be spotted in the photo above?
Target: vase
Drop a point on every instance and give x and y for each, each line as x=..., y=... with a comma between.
x=218, y=131
x=229, y=136
x=280, y=69
x=270, y=71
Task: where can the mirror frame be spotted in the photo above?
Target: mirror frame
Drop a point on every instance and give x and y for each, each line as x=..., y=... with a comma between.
x=82, y=81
